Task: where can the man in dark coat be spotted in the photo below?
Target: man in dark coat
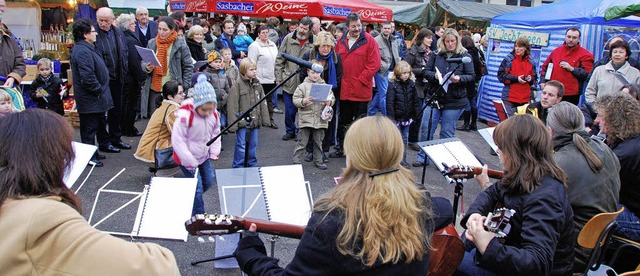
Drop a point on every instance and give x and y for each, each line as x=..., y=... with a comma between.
x=226, y=40
x=110, y=44
x=91, y=87
x=145, y=29
x=134, y=79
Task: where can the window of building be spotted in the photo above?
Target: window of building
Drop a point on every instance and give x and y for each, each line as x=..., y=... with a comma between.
x=522, y=3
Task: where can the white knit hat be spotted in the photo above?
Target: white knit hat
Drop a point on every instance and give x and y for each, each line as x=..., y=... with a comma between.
x=203, y=92
x=242, y=28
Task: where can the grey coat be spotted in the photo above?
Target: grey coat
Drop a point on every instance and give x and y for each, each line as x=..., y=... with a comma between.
x=90, y=79
x=180, y=62
x=386, y=54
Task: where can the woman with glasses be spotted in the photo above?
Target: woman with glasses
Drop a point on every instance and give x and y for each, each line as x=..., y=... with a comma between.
x=611, y=77
x=157, y=135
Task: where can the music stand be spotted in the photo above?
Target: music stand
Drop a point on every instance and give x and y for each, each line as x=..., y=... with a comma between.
x=241, y=194
x=450, y=151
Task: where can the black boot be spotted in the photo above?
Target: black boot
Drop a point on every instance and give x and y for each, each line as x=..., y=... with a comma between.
x=474, y=119
x=465, y=126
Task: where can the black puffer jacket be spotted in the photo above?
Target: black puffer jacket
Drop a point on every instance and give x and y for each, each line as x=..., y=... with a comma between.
x=53, y=101
x=196, y=50
x=402, y=100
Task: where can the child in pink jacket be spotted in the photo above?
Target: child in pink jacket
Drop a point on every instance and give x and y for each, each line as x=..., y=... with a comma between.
x=197, y=121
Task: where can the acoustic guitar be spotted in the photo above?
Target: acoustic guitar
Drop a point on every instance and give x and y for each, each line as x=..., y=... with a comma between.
x=446, y=252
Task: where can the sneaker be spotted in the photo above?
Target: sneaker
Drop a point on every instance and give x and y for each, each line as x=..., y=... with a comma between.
x=277, y=110
x=414, y=146
x=473, y=127
x=336, y=154
x=296, y=161
x=273, y=125
x=308, y=157
x=324, y=158
x=321, y=166
x=288, y=136
x=417, y=164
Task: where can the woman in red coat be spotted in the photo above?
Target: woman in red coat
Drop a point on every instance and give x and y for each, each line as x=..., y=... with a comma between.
x=518, y=74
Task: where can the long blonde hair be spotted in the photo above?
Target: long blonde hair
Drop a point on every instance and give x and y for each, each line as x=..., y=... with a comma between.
x=385, y=215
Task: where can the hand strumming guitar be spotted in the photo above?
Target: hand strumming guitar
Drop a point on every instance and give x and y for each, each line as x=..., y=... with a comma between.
x=477, y=234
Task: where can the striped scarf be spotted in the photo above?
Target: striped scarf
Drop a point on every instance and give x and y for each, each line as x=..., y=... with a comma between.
x=162, y=46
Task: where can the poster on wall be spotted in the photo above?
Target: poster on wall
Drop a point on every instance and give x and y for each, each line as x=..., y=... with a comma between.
x=495, y=48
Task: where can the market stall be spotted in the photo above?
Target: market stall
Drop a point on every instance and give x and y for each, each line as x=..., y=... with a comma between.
x=545, y=27
x=323, y=9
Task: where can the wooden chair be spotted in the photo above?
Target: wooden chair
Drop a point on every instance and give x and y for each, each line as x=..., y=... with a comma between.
x=595, y=235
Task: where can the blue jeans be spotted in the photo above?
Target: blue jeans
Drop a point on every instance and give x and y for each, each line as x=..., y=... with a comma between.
x=223, y=120
x=274, y=99
x=404, y=131
x=468, y=266
x=379, y=101
x=447, y=119
x=628, y=225
x=290, y=111
x=206, y=179
x=238, y=155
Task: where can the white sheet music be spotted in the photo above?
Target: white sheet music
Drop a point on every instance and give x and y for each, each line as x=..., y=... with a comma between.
x=487, y=134
x=451, y=153
x=286, y=194
x=83, y=153
x=165, y=207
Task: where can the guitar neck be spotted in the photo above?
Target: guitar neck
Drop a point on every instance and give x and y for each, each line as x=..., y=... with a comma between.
x=274, y=228
x=491, y=173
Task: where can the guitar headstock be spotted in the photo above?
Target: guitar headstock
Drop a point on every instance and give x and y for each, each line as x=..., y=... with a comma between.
x=212, y=224
x=498, y=222
x=458, y=172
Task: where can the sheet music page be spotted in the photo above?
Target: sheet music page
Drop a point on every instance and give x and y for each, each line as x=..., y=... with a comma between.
x=286, y=195
x=83, y=153
x=320, y=92
x=451, y=153
x=166, y=207
x=487, y=134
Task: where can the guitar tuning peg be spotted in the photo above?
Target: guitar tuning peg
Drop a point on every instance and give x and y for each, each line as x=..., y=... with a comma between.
x=221, y=238
x=200, y=239
x=207, y=221
x=212, y=239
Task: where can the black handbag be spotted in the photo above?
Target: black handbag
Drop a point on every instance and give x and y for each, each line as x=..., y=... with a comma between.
x=164, y=157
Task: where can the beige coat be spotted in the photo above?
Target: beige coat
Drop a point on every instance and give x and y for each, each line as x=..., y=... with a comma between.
x=603, y=81
x=150, y=137
x=43, y=236
x=310, y=115
x=244, y=94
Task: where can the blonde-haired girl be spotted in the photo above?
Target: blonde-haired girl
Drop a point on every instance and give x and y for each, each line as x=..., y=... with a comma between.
x=403, y=104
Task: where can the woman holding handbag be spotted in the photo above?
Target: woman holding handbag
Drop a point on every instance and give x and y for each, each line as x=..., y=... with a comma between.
x=157, y=135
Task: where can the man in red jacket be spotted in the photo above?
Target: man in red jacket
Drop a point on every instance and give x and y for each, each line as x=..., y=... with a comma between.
x=569, y=64
x=360, y=61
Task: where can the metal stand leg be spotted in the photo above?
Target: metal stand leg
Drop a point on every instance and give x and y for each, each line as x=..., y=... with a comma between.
x=457, y=193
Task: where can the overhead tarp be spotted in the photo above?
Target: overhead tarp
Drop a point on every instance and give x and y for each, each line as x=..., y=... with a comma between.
x=621, y=11
x=324, y=9
x=551, y=21
x=476, y=15
x=417, y=14
x=134, y=4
